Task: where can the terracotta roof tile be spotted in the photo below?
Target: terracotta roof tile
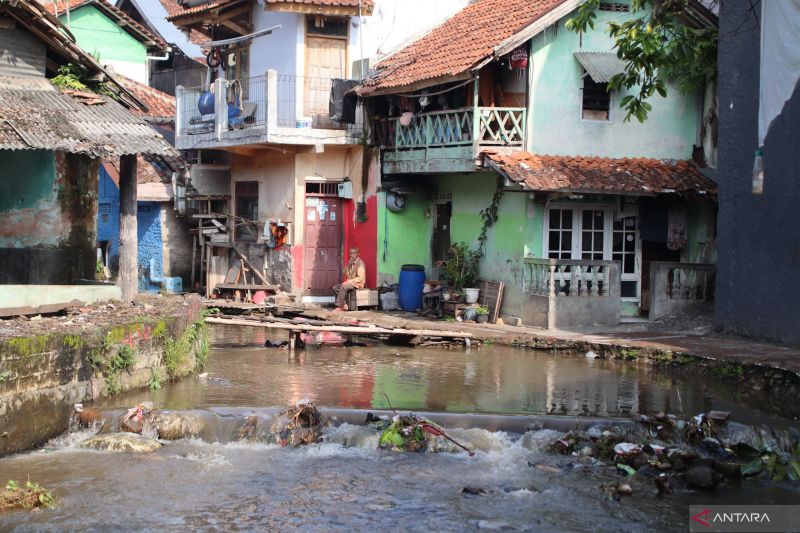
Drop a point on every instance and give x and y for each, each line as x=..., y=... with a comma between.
x=160, y=106
x=200, y=8
x=460, y=43
x=366, y=4
x=111, y=10
x=600, y=174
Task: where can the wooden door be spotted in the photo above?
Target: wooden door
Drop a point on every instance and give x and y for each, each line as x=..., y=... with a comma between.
x=322, y=267
x=325, y=59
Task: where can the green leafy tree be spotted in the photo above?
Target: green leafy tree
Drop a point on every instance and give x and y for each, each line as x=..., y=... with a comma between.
x=664, y=40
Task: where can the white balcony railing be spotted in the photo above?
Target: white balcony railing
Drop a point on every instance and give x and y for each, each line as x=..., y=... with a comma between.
x=285, y=106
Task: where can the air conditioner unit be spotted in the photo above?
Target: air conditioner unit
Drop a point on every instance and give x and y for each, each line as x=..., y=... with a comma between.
x=346, y=189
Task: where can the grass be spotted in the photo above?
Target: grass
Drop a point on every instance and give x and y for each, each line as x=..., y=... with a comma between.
x=629, y=354
x=28, y=496
x=729, y=370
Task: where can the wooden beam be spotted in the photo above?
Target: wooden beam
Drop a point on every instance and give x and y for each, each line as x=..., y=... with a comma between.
x=241, y=30
x=319, y=9
x=211, y=16
x=250, y=266
x=128, y=245
x=357, y=330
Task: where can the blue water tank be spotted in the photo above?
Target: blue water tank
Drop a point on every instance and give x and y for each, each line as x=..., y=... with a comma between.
x=206, y=103
x=412, y=281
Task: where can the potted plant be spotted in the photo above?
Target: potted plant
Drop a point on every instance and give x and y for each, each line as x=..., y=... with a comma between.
x=461, y=270
x=481, y=314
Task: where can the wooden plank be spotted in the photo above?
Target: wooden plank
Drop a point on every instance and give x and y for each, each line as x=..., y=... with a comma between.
x=358, y=330
x=250, y=266
x=491, y=297
x=248, y=286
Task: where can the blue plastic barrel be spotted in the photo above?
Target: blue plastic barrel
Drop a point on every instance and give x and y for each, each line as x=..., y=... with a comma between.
x=205, y=104
x=412, y=281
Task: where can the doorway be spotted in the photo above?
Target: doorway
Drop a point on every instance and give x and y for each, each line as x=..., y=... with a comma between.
x=322, y=263
x=326, y=59
x=440, y=243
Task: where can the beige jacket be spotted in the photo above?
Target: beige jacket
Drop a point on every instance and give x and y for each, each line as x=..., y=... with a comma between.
x=356, y=273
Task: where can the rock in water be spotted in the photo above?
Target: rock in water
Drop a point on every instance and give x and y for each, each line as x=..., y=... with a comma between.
x=174, y=426
x=702, y=477
x=122, y=442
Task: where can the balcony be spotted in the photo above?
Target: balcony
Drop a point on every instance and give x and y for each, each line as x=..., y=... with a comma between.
x=448, y=141
x=268, y=109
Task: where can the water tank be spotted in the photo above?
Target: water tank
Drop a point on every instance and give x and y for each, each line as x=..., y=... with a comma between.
x=412, y=281
x=205, y=104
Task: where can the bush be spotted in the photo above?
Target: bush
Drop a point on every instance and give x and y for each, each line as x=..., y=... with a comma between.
x=461, y=267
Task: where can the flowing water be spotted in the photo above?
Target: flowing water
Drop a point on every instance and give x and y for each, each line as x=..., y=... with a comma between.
x=214, y=482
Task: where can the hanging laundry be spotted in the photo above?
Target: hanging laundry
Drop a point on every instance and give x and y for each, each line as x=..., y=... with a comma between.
x=519, y=58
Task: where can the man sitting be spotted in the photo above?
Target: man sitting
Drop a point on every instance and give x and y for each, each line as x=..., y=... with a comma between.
x=355, y=277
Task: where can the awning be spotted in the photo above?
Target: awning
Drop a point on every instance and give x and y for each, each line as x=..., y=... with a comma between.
x=601, y=66
x=600, y=175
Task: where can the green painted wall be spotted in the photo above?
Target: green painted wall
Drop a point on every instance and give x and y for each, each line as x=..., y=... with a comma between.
x=517, y=232
x=404, y=237
x=555, y=125
x=103, y=38
x=701, y=222
x=28, y=178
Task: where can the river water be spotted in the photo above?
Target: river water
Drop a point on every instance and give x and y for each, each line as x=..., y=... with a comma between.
x=216, y=483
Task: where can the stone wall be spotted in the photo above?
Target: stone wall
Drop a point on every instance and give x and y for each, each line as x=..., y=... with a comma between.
x=47, y=217
x=41, y=377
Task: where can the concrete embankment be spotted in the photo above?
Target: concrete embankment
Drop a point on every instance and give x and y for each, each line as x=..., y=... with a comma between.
x=113, y=349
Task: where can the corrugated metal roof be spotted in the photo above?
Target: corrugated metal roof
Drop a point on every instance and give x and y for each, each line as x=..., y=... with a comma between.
x=34, y=114
x=601, y=66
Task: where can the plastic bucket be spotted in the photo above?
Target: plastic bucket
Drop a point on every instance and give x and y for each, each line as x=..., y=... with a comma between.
x=472, y=295
x=412, y=280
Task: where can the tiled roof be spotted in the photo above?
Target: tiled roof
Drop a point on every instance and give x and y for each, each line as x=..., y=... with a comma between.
x=200, y=8
x=366, y=5
x=459, y=44
x=172, y=8
x=34, y=114
x=600, y=174
x=160, y=106
x=149, y=169
x=139, y=32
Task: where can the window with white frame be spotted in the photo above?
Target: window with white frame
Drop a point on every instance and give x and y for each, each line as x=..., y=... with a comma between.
x=593, y=233
x=593, y=223
x=560, y=234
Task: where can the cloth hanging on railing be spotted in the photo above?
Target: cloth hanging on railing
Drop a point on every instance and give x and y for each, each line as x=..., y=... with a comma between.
x=342, y=105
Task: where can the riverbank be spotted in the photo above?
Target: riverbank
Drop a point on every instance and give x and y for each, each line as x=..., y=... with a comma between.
x=47, y=364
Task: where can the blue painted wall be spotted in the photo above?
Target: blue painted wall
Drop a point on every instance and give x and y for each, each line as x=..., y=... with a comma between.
x=108, y=212
x=148, y=218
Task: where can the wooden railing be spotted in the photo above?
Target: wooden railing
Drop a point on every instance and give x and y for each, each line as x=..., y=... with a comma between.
x=489, y=126
x=570, y=277
x=501, y=126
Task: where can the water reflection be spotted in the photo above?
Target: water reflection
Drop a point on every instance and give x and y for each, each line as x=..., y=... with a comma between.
x=492, y=379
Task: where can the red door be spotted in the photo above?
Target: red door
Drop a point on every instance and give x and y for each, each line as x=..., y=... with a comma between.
x=322, y=267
